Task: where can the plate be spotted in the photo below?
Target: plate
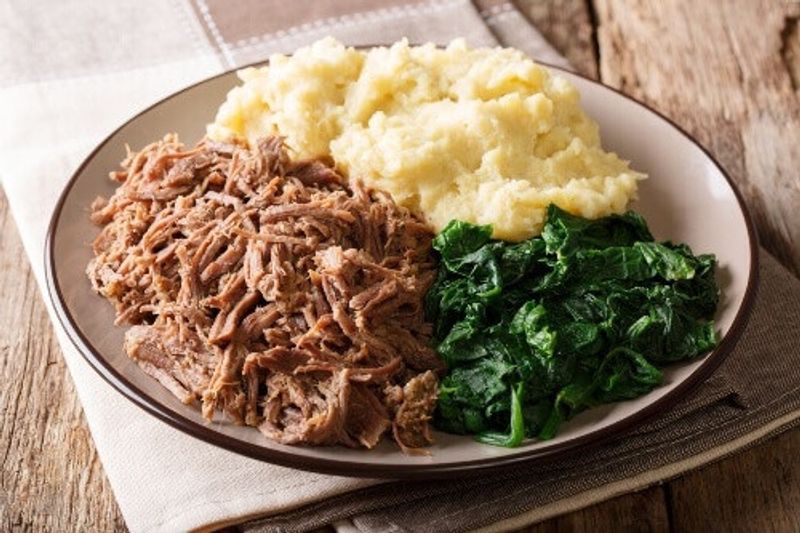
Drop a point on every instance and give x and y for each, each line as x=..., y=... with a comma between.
x=688, y=198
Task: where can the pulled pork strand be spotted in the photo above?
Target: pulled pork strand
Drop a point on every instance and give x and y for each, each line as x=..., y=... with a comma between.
x=272, y=291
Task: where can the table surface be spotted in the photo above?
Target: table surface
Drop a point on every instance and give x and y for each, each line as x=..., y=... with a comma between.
x=728, y=72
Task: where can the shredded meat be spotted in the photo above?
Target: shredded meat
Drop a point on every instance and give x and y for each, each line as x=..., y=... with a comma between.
x=411, y=428
x=270, y=290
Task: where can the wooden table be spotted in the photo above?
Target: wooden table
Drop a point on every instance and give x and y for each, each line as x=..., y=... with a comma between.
x=727, y=71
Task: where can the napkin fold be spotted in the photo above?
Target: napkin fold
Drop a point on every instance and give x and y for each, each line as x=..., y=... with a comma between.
x=71, y=72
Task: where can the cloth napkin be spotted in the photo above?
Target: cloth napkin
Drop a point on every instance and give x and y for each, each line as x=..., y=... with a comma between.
x=70, y=72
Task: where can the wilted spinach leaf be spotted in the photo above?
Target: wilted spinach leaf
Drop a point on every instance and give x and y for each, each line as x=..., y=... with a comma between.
x=536, y=331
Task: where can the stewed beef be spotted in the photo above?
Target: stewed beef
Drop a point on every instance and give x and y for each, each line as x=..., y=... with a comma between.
x=271, y=290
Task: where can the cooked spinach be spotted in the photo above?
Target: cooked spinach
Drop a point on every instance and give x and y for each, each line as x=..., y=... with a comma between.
x=536, y=331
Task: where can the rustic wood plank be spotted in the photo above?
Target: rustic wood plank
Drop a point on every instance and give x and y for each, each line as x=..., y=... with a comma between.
x=51, y=478
x=726, y=71
x=758, y=490
x=568, y=26
x=638, y=512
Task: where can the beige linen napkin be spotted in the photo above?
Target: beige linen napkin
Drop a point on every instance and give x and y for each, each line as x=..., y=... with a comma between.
x=71, y=72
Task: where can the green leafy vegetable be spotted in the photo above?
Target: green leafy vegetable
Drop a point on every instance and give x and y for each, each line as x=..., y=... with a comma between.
x=536, y=331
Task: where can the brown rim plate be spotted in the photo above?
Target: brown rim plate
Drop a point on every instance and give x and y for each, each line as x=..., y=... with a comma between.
x=688, y=198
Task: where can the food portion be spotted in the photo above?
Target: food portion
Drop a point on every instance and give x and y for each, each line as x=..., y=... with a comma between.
x=311, y=297
x=271, y=290
x=537, y=331
x=482, y=135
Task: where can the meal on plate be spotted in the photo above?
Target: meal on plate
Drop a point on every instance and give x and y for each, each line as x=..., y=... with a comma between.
x=371, y=242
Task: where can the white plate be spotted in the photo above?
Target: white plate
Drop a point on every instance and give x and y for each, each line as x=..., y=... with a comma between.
x=688, y=198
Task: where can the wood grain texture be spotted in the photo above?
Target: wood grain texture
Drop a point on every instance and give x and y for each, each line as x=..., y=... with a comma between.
x=568, y=26
x=51, y=478
x=727, y=72
x=758, y=490
x=641, y=512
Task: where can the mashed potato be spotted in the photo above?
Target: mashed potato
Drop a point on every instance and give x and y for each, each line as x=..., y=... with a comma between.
x=482, y=135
